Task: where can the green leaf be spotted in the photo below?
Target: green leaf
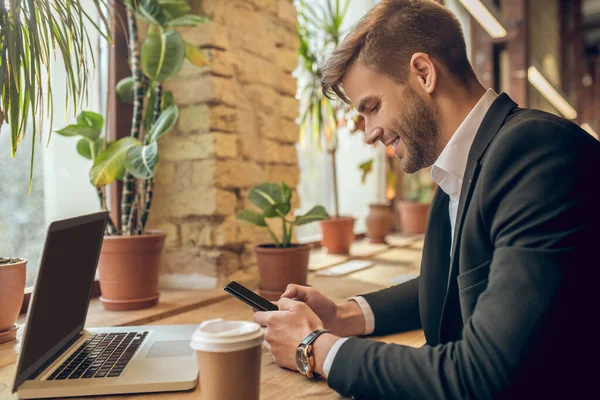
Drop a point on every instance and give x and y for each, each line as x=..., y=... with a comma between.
x=162, y=54
x=317, y=213
x=266, y=196
x=90, y=119
x=141, y=161
x=164, y=123
x=286, y=192
x=167, y=99
x=150, y=11
x=188, y=20
x=83, y=147
x=196, y=56
x=251, y=217
x=174, y=8
x=125, y=90
x=110, y=164
x=366, y=168
x=78, y=130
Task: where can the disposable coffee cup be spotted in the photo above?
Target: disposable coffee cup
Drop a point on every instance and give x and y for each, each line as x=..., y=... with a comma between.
x=229, y=359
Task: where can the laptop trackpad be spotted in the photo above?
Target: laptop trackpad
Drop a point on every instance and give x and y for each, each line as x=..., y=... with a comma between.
x=179, y=348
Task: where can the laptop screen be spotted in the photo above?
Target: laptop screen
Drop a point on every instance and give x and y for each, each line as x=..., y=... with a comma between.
x=62, y=290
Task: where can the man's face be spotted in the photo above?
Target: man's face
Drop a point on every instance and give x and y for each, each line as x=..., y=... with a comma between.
x=395, y=115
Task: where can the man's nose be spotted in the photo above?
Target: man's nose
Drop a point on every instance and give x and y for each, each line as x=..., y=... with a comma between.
x=373, y=134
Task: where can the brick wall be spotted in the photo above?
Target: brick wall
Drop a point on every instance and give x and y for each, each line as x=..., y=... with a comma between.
x=236, y=129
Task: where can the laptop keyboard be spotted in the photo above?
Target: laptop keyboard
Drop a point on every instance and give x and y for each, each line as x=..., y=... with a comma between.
x=103, y=355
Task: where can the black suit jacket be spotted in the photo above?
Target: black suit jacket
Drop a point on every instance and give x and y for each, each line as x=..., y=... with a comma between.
x=512, y=313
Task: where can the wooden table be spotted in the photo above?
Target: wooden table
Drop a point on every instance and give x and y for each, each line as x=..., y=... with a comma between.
x=193, y=307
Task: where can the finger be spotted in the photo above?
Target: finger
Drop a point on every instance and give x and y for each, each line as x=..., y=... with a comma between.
x=267, y=345
x=286, y=304
x=296, y=292
x=261, y=317
x=374, y=135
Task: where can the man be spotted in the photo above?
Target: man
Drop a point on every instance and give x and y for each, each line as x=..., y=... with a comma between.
x=506, y=295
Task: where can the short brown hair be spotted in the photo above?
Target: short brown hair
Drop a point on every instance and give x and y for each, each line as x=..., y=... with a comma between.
x=390, y=33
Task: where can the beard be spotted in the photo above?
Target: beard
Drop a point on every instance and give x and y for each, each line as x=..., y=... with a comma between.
x=418, y=130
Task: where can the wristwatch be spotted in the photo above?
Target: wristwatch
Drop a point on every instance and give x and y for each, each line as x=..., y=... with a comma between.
x=305, y=361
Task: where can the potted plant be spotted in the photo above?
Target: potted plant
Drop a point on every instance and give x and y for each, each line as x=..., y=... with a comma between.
x=281, y=262
x=12, y=291
x=319, y=30
x=131, y=256
x=413, y=210
x=31, y=33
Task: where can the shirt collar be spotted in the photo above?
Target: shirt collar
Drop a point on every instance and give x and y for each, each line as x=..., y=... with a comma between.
x=449, y=169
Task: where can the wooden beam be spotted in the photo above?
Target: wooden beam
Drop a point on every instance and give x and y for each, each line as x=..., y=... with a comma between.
x=120, y=113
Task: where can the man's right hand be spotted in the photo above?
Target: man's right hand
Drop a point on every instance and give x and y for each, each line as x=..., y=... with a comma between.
x=346, y=319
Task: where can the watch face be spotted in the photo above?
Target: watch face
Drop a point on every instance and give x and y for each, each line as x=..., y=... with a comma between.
x=301, y=360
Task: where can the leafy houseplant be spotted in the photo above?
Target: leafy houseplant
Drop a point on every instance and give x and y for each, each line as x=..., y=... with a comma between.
x=320, y=31
x=31, y=31
x=130, y=258
x=281, y=262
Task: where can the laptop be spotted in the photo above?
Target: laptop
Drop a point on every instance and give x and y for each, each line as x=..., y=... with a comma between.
x=59, y=358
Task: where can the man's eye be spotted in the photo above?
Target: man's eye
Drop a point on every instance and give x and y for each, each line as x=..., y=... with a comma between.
x=375, y=108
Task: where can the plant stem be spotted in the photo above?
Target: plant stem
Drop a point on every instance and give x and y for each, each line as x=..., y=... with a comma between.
x=285, y=241
x=336, y=203
x=290, y=234
x=110, y=227
x=277, y=243
x=148, y=186
x=128, y=195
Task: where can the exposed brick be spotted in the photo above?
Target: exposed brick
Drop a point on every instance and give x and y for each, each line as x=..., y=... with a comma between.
x=170, y=229
x=223, y=118
x=238, y=173
x=194, y=119
x=196, y=201
x=288, y=107
x=287, y=84
x=200, y=261
x=204, y=89
x=211, y=34
x=263, y=98
x=269, y=6
x=276, y=152
x=199, y=147
x=287, y=60
x=165, y=172
x=253, y=69
x=247, y=276
x=286, y=173
x=256, y=38
x=287, y=12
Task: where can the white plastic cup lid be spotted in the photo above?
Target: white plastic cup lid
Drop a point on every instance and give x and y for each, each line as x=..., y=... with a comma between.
x=220, y=336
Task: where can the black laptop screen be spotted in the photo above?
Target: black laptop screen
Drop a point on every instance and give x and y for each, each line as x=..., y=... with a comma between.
x=62, y=290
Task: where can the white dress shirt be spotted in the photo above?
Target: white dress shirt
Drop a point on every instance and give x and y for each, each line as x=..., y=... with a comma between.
x=448, y=172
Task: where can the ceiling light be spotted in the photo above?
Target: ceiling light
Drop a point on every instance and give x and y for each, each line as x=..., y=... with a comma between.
x=486, y=19
x=590, y=130
x=550, y=93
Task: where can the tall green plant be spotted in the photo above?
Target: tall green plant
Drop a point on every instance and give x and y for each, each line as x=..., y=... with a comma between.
x=275, y=202
x=320, y=31
x=134, y=159
x=31, y=31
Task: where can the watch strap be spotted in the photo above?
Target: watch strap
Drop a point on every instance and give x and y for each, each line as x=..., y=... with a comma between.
x=313, y=336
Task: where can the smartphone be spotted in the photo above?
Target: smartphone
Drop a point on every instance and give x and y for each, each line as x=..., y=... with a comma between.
x=249, y=297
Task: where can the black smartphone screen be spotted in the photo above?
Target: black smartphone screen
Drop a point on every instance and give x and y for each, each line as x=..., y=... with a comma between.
x=249, y=297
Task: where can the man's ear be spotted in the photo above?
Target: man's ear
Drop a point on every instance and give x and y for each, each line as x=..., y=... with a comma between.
x=424, y=70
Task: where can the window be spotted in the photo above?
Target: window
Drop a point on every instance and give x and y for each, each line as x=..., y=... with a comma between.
x=315, y=185
x=61, y=185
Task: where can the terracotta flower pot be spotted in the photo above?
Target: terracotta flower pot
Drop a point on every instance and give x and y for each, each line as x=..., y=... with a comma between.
x=338, y=234
x=278, y=267
x=413, y=216
x=12, y=291
x=379, y=222
x=129, y=269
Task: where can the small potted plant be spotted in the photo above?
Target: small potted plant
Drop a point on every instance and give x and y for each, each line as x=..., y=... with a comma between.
x=12, y=291
x=130, y=259
x=414, y=209
x=281, y=262
x=379, y=221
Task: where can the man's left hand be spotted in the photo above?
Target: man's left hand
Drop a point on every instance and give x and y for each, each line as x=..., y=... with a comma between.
x=286, y=329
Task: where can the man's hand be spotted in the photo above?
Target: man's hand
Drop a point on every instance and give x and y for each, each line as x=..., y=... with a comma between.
x=286, y=329
x=346, y=319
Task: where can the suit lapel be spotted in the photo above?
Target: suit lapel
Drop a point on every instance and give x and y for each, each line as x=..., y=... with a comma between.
x=491, y=124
